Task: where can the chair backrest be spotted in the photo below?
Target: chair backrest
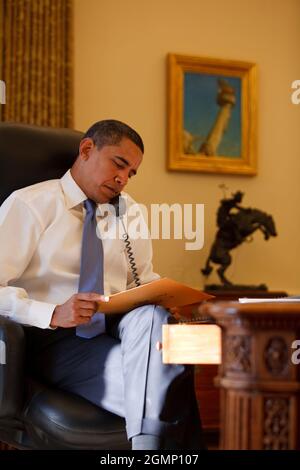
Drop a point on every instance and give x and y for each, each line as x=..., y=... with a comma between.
x=30, y=154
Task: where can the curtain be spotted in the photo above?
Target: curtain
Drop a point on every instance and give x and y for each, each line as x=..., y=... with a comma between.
x=36, y=61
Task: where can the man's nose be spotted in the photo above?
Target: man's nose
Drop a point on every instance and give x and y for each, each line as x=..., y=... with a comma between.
x=121, y=179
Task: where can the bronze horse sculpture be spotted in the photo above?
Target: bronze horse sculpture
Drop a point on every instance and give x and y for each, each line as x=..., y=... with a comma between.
x=234, y=229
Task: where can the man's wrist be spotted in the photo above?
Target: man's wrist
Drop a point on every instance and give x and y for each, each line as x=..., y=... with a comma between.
x=52, y=324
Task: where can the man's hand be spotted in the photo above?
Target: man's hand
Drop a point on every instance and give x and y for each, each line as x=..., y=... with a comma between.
x=184, y=313
x=78, y=310
x=175, y=311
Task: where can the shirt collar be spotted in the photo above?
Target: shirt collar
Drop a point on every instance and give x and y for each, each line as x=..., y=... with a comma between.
x=75, y=196
x=73, y=193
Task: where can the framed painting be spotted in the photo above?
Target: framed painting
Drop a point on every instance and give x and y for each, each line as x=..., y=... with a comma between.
x=211, y=115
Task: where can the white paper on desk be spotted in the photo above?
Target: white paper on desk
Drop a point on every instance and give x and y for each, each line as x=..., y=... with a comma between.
x=164, y=292
x=249, y=300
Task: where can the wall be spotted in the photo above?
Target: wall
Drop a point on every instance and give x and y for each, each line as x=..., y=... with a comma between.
x=120, y=72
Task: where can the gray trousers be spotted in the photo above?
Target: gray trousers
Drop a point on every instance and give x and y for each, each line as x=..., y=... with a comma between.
x=122, y=372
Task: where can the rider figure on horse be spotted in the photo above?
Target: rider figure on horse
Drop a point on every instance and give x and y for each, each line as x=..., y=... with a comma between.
x=225, y=219
x=235, y=225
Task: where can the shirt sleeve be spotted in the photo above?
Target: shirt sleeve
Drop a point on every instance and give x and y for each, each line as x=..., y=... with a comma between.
x=20, y=231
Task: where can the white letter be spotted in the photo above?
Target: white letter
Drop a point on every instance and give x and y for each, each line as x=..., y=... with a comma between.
x=166, y=211
x=296, y=95
x=2, y=92
x=106, y=226
x=188, y=226
x=2, y=352
x=137, y=226
x=296, y=354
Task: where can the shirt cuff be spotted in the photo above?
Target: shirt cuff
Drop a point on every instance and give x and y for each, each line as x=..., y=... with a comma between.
x=40, y=314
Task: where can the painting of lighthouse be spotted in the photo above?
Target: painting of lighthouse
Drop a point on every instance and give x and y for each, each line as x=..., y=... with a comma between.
x=211, y=115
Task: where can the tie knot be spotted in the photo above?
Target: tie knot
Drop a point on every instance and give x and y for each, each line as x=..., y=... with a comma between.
x=90, y=206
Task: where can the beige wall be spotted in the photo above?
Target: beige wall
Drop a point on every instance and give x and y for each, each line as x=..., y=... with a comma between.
x=120, y=72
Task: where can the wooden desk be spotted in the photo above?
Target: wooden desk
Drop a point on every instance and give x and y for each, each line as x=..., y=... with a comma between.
x=260, y=385
x=189, y=344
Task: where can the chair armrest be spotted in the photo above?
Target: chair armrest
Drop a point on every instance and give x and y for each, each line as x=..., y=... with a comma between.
x=12, y=363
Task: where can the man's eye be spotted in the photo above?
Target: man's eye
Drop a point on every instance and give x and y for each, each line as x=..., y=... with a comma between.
x=119, y=165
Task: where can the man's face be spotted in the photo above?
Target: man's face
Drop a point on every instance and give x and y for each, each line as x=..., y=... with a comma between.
x=103, y=174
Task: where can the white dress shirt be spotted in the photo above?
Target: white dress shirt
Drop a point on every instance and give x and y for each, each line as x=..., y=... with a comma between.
x=40, y=246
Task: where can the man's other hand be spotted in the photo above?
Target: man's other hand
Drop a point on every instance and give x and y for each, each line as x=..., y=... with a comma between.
x=184, y=313
x=78, y=310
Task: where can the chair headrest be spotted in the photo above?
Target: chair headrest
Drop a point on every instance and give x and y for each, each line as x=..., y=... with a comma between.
x=30, y=154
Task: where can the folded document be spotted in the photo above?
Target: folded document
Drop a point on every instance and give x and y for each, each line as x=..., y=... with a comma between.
x=164, y=292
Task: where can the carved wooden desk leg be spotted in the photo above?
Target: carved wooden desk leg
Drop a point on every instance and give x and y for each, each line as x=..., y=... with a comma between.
x=259, y=377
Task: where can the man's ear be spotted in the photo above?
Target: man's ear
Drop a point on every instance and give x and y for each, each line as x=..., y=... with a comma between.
x=85, y=147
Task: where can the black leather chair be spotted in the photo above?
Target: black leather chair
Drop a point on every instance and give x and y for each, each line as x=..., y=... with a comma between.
x=32, y=415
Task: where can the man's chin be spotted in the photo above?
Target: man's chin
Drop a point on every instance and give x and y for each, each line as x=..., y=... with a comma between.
x=104, y=199
x=105, y=195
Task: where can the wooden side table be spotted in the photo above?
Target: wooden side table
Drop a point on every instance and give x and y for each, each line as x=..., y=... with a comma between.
x=260, y=384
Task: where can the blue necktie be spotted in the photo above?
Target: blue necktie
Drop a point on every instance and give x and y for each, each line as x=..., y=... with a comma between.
x=91, y=269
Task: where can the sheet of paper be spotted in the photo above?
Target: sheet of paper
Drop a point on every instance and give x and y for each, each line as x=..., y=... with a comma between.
x=165, y=292
x=248, y=300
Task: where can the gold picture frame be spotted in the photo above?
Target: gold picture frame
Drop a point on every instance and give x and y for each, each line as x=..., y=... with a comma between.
x=212, y=122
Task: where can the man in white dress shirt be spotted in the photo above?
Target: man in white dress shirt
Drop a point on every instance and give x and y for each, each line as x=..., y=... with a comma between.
x=120, y=370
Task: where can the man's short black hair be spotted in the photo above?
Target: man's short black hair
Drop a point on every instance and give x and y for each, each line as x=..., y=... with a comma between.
x=111, y=132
